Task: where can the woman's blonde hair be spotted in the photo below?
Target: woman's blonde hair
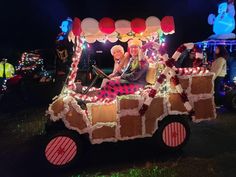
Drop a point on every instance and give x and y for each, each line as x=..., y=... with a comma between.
x=117, y=47
x=137, y=42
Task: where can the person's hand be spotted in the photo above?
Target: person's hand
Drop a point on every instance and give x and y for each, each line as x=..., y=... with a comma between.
x=208, y=65
x=126, y=55
x=111, y=75
x=116, y=78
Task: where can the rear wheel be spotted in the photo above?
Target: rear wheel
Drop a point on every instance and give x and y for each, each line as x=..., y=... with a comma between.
x=63, y=149
x=230, y=100
x=234, y=102
x=173, y=133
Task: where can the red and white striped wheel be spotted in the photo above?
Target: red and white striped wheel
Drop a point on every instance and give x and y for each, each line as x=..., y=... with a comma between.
x=61, y=150
x=174, y=134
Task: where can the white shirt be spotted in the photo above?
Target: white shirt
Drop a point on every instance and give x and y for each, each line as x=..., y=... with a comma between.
x=219, y=67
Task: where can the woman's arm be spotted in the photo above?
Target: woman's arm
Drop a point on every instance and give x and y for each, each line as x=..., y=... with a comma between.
x=217, y=66
x=136, y=74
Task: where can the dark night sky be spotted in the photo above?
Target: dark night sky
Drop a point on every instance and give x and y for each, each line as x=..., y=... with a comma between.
x=35, y=24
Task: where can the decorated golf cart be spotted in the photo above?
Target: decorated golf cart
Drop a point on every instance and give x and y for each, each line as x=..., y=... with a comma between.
x=161, y=109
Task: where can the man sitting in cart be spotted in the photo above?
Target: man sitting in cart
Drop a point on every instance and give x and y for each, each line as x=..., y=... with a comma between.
x=132, y=78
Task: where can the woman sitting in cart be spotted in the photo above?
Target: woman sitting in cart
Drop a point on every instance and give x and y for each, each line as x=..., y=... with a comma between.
x=132, y=78
x=121, y=60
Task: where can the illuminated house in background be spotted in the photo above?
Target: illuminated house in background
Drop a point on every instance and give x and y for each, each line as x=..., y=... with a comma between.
x=223, y=23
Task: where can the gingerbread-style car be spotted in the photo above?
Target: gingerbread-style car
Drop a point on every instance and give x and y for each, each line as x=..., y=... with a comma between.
x=160, y=110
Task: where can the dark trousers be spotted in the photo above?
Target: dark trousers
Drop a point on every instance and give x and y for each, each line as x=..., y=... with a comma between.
x=219, y=82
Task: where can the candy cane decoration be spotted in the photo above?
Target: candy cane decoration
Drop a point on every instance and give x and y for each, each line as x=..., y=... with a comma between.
x=191, y=71
x=170, y=68
x=74, y=65
x=160, y=80
x=169, y=65
x=198, y=53
x=86, y=97
x=182, y=94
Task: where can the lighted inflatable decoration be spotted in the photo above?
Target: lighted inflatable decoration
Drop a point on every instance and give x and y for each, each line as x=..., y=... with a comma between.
x=160, y=108
x=65, y=27
x=223, y=23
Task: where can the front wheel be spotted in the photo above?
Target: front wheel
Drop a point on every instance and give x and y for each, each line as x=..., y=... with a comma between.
x=173, y=133
x=63, y=149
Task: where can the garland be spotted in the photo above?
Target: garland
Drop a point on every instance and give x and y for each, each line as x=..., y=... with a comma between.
x=3, y=87
x=191, y=71
x=172, y=70
x=198, y=53
x=74, y=65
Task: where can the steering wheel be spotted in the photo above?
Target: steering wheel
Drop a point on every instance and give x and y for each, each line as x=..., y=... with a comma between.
x=100, y=73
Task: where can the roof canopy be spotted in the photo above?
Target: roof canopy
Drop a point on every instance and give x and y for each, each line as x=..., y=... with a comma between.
x=213, y=42
x=91, y=30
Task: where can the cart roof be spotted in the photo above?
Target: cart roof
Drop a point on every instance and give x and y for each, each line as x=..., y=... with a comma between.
x=213, y=42
x=92, y=30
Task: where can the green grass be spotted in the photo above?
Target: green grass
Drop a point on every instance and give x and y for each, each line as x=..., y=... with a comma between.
x=154, y=171
x=22, y=125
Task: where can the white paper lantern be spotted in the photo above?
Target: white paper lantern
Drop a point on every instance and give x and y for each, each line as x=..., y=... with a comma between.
x=89, y=25
x=122, y=26
x=153, y=24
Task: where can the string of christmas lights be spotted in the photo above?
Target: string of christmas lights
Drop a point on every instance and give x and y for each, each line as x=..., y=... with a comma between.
x=32, y=63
